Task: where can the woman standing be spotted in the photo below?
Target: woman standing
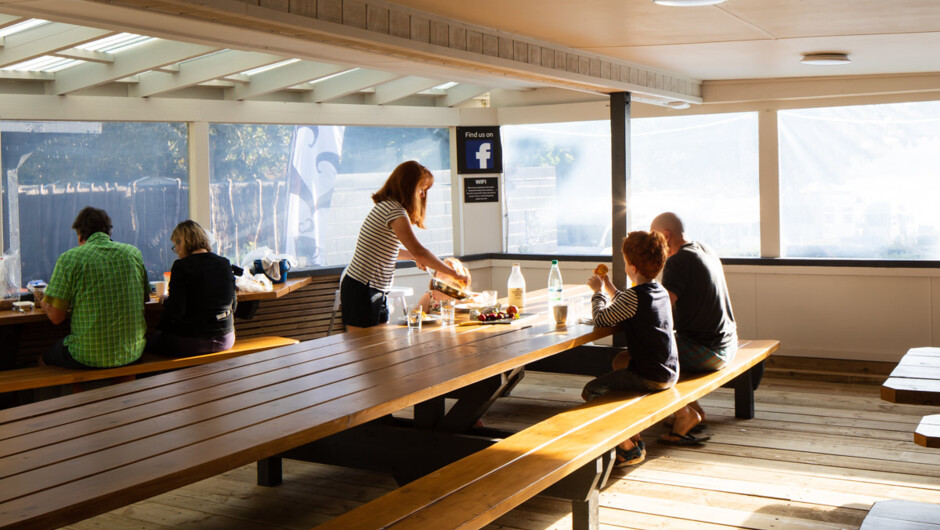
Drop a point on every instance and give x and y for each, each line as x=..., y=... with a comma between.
x=198, y=312
x=400, y=203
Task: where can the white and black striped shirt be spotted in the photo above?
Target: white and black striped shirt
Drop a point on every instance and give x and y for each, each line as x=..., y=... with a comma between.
x=373, y=262
x=622, y=307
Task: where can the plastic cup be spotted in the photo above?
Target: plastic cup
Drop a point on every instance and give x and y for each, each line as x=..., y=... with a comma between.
x=560, y=312
x=159, y=289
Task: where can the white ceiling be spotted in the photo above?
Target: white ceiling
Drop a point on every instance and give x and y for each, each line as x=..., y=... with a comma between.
x=205, y=47
x=738, y=39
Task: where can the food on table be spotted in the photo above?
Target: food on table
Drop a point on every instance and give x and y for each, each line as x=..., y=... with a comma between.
x=498, y=315
x=601, y=270
x=512, y=310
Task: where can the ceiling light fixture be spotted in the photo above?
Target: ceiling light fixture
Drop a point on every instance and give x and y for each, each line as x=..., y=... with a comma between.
x=687, y=3
x=826, y=59
x=678, y=105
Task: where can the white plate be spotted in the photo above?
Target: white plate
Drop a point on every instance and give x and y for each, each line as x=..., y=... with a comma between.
x=428, y=319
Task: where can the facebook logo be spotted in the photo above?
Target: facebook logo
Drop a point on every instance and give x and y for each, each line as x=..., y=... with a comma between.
x=479, y=154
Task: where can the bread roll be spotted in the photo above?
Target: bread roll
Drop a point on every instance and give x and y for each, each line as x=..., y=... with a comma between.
x=601, y=270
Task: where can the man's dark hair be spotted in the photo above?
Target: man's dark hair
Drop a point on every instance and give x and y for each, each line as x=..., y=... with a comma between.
x=91, y=220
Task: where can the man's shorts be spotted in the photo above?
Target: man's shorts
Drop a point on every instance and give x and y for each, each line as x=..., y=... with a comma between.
x=694, y=357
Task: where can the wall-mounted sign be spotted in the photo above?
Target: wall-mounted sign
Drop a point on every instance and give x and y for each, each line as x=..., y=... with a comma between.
x=480, y=189
x=479, y=150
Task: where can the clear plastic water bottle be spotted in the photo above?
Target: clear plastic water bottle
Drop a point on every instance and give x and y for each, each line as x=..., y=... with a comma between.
x=516, y=287
x=554, y=284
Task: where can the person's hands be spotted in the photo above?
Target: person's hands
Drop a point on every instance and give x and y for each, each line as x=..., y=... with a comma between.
x=420, y=266
x=595, y=282
x=462, y=279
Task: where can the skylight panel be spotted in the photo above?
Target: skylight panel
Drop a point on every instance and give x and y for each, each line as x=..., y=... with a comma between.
x=324, y=78
x=260, y=69
x=22, y=26
x=46, y=63
x=115, y=43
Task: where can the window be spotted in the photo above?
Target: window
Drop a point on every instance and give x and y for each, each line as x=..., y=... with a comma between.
x=703, y=168
x=137, y=172
x=305, y=190
x=557, y=182
x=860, y=181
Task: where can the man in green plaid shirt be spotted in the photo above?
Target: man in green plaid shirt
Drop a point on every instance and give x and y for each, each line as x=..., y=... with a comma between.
x=105, y=284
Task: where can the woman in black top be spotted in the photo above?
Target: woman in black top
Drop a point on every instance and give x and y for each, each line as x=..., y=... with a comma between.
x=198, y=311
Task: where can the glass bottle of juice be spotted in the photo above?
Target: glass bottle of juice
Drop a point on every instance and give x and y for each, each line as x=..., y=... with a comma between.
x=516, y=287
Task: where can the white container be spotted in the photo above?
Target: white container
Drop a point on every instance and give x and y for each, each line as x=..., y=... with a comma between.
x=516, y=287
x=555, y=288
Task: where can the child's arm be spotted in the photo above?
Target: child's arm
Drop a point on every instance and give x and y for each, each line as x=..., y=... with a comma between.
x=622, y=307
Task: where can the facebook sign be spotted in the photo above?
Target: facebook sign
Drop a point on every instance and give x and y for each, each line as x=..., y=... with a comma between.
x=479, y=150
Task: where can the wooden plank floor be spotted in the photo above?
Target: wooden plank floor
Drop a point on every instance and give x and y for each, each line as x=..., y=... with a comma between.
x=817, y=456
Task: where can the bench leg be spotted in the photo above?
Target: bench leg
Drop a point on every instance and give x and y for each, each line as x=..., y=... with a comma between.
x=744, y=386
x=269, y=471
x=583, y=489
x=585, y=515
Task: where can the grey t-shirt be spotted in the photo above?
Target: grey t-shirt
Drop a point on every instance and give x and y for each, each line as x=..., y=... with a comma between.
x=703, y=308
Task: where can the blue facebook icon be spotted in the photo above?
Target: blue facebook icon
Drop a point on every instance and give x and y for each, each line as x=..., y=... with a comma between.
x=479, y=154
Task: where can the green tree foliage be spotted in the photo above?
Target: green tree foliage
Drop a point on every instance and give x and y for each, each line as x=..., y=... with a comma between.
x=367, y=149
x=121, y=152
x=244, y=152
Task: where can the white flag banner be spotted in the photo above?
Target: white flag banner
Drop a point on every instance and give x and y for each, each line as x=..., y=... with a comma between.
x=314, y=161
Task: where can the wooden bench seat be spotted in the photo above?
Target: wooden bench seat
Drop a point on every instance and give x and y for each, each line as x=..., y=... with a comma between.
x=577, y=444
x=46, y=376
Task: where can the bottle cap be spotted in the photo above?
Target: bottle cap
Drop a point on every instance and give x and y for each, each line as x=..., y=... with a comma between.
x=515, y=264
x=554, y=262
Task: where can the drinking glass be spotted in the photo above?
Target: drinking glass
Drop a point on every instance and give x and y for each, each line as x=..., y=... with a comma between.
x=414, y=318
x=447, y=312
x=489, y=298
x=560, y=311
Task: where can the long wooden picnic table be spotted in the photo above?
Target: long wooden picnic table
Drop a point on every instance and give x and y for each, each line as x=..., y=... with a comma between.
x=73, y=457
x=916, y=381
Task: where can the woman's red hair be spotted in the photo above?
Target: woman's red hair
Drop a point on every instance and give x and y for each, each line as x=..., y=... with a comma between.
x=401, y=187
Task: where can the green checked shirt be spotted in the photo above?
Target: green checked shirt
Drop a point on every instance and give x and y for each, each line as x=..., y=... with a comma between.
x=104, y=282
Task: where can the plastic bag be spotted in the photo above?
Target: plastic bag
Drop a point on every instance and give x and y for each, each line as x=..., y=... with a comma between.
x=252, y=283
x=264, y=261
x=10, y=275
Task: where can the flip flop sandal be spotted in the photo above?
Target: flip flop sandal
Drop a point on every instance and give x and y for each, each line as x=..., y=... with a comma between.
x=699, y=427
x=685, y=439
x=630, y=457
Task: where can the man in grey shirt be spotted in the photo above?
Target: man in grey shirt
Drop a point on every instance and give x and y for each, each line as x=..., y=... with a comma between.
x=704, y=322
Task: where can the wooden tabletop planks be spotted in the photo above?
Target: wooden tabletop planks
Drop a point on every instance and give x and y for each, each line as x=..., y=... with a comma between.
x=916, y=378
x=902, y=515
x=928, y=432
x=279, y=289
x=73, y=457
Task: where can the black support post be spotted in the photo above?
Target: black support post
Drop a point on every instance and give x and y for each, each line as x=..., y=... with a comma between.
x=619, y=181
